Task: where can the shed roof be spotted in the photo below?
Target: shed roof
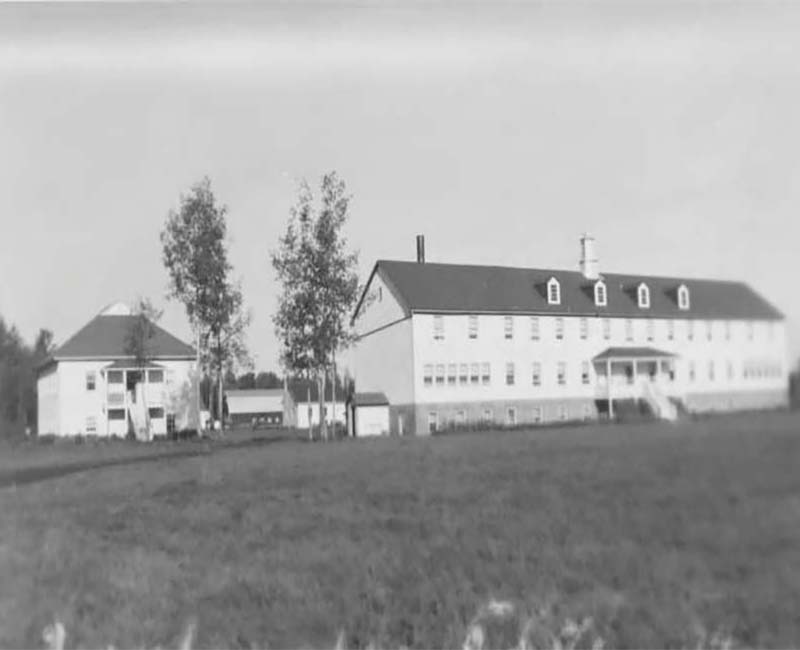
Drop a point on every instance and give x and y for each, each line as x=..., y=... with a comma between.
x=462, y=288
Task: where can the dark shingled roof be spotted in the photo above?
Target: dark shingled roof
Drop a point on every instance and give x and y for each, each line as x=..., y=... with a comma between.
x=495, y=289
x=632, y=353
x=104, y=336
x=370, y=399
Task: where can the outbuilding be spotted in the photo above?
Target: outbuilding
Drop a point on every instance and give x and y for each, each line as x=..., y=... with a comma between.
x=260, y=406
x=369, y=414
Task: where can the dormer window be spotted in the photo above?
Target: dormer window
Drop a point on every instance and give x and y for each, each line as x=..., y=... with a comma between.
x=683, y=297
x=643, y=295
x=553, y=292
x=600, y=297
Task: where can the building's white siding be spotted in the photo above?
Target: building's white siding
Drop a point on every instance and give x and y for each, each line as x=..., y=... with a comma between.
x=302, y=413
x=382, y=358
x=372, y=420
x=763, y=355
x=47, y=387
x=84, y=411
x=254, y=403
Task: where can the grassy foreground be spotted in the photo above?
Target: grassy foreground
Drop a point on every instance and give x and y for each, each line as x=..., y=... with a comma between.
x=649, y=529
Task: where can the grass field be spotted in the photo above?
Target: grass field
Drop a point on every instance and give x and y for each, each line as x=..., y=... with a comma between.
x=649, y=529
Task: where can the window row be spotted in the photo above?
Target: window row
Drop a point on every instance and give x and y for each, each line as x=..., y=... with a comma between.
x=585, y=328
x=117, y=377
x=463, y=374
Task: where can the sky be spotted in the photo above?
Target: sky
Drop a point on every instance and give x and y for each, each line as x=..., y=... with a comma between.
x=502, y=132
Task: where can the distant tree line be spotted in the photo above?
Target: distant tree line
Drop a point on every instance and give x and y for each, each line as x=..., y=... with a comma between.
x=18, y=364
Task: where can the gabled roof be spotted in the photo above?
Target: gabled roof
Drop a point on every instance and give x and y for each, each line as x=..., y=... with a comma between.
x=475, y=289
x=632, y=353
x=369, y=399
x=254, y=392
x=104, y=337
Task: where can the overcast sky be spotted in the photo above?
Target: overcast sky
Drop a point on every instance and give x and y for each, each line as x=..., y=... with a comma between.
x=670, y=131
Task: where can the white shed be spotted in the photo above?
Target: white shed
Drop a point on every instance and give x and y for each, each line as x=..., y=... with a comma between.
x=370, y=412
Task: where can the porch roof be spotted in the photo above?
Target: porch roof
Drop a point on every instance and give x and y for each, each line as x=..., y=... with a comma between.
x=619, y=353
x=130, y=364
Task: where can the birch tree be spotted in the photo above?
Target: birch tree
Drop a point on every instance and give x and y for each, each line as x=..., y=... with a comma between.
x=319, y=284
x=138, y=344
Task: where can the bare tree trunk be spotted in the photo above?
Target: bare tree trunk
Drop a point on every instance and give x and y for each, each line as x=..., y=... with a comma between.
x=323, y=425
x=308, y=409
x=198, y=398
x=220, y=414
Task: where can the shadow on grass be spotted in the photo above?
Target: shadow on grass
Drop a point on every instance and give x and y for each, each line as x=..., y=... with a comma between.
x=202, y=447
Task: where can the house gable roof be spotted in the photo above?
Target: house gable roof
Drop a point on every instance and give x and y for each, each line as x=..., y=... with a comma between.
x=494, y=289
x=104, y=337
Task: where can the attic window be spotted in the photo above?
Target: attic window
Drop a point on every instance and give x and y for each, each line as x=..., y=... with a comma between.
x=553, y=292
x=643, y=295
x=683, y=297
x=600, y=298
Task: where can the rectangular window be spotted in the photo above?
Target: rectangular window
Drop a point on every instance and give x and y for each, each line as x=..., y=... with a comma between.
x=91, y=424
x=155, y=376
x=536, y=373
x=629, y=330
x=433, y=422
x=472, y=326
x=440, y=374
x=691, y=371
x=488, y=415
x=510, y=374
x=116, y=414
x=91, y=378
x=427, y=375
x=587, y=412
x=115, y=377
x=690, y=330
x=771, y=330
x=709, y=330
x=534, y=328
x=650, y=329
x=461, y=417
x=606, y=328
x=750, y=329
x=562, y=413
x=537, y=414
x=511, y=416
x=451, y=374
x=710, y=371
x=156, y=412
x=474, y=374
x=562, y=373
x=463, y=374
x=584, y=328
x=170, y=423
x=508, y=327
x=486, y=374
x=585, y=372
x=730, y=370
x=727, y=330
x=438, y=328
x=559, y=328
x=671, y=330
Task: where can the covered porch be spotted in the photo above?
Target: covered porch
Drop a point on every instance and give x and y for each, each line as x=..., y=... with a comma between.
x=134, y=397
x=636, y=373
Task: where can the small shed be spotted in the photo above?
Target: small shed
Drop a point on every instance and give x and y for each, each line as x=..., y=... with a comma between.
x=370, y=414
x=262, y=406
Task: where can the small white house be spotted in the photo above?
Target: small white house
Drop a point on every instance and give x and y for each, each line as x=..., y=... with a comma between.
x=369, y=414
x=90, y=386
x=303, y=404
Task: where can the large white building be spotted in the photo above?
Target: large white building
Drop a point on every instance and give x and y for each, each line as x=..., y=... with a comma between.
x=90, y=386
x=454, y=345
